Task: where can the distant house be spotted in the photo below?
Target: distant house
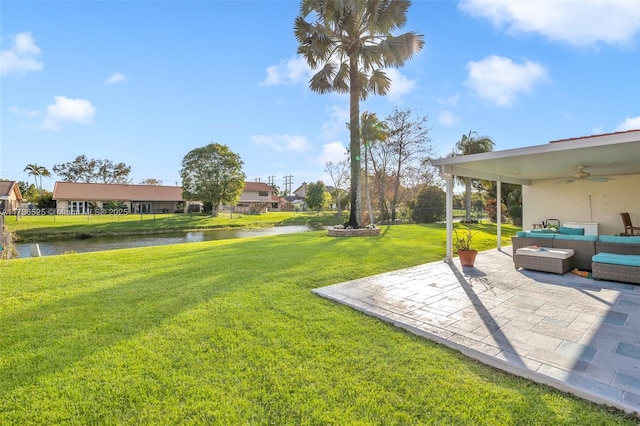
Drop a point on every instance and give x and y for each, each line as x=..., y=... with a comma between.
x=301, y=191
x=258, y=197
x=10, y=196
x=82, y=198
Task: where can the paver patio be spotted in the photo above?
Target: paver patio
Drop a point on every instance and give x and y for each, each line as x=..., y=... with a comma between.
x=575, y=334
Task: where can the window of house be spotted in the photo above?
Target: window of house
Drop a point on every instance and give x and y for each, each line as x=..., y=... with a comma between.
x=263, y=193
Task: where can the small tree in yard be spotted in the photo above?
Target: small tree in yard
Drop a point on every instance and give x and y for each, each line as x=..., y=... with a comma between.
x=212, y=174
x=339, y=174
x=316, y=196
x=430, y=205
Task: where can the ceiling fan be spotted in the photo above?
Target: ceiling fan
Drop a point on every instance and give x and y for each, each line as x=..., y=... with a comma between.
x=583, y=175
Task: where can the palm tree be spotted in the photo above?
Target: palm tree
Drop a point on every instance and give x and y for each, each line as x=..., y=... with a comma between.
x=373, y=130
x=472, y=144
x=33, y=170
x=37, y=172
x=351, y=42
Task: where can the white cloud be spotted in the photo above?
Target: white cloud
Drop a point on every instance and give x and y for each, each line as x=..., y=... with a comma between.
x=116, y=77
x=337, y=124
x=291, y=71
x=400, y=84
x=334, y=152
x=448, y=118
x=629, y=123
x=26, y=113
x=20, y=57
x=451, y=100
x=283, y=143
x=499, y=79
x=68, y=110
x=580, y=23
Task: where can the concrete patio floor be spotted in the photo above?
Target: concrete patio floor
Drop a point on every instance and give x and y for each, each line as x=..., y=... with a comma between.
x=576, y=334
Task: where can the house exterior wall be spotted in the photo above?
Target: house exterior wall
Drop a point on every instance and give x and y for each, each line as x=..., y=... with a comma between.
x=85, y=207
x=254, y=196
x=9, y=200
x=548, y=199
x=255, y=202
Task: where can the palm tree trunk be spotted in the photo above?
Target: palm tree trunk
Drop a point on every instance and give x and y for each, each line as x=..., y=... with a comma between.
x=366, y=184
x=354, y=141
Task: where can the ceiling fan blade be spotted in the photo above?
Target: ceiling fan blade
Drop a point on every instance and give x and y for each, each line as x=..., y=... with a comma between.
x=566, y=181
x=599, y=178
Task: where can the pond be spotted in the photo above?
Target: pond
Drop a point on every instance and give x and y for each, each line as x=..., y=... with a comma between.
x=48, y=248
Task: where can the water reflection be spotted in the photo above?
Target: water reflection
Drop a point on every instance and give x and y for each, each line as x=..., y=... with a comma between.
x=48, y=248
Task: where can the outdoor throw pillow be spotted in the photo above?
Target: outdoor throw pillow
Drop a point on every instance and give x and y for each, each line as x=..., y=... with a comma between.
x=571, y=231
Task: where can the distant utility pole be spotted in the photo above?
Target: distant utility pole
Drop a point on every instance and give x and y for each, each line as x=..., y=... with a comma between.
x=287, y=184
x=271, y=180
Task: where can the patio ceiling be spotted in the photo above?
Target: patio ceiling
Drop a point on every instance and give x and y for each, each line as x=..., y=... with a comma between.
x=602, y=155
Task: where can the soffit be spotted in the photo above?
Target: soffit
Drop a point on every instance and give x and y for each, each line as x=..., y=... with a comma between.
x=603, y=155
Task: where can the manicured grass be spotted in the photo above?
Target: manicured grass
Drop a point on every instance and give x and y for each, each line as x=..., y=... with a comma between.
x=228, y=332
x=40, y=228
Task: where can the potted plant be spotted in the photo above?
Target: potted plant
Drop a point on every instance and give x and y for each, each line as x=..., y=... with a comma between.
x=466, y=252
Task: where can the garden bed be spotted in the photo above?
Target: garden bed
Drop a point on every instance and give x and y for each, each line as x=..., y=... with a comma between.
x=360, y=232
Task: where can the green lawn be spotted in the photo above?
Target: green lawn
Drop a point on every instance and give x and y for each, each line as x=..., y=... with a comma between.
x=40, y=228
x=228, y=332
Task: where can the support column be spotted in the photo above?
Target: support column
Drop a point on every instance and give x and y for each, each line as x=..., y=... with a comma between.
x=499, y=214
x=449, y=215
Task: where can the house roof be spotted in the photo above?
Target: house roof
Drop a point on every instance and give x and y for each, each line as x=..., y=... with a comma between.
x=257, y=186
x=7, y=186
x=602, y=155
x=115, y=192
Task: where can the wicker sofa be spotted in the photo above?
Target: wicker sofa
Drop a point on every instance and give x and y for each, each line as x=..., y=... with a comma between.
x=584, y=246
x=617, y=259
x=618, y=256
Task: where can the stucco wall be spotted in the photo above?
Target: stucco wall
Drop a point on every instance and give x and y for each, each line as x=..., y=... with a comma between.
x=547, y=199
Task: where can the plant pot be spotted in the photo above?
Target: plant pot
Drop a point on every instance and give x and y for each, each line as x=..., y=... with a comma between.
x=467, y=257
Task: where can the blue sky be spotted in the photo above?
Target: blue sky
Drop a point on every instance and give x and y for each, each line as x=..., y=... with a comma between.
x=145, y=82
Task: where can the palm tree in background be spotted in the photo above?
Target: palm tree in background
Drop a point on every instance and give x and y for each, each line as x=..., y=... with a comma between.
x=37, y=172
x=350, y=42
x=472, y=144
x=372, y=130
x=33, y=170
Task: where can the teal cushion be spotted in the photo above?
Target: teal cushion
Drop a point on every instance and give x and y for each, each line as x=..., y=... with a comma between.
x=521, y=234
x=532, y=234
x=576, y=237
x=571, y=231
x=619, y=239
x=617, y=259
x=544, y=231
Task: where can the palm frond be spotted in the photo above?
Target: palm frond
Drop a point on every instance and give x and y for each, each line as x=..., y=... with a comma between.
x=379, y=82
x=321, y=82
x=341, y=79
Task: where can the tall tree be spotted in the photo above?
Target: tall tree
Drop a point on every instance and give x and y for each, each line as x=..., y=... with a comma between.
x=37, y=172
x=410, y=143
x=213, y=174
x=339, y=174
x=373, y=130
x=472, y=144
x=86, y=170
x=351, y=42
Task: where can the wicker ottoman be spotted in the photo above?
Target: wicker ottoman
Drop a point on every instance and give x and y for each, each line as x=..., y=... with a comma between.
x=546, y=259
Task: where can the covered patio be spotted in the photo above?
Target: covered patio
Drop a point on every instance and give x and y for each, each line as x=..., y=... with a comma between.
x=551, y=184
x=573, y=333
